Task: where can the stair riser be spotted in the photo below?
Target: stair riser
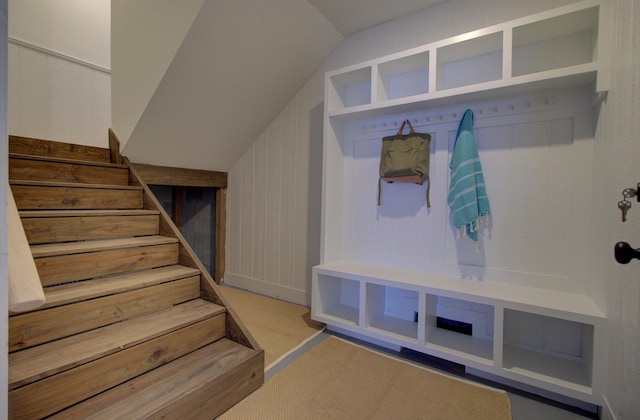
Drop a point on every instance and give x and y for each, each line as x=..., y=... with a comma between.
x=233, y=386
x=55, y=393
x=92, y=289
x=66, y=229
x=67, y=268
x=39, y=327
x=37, y=170
x=209, y=380
x=37, y=147
x=53, y=198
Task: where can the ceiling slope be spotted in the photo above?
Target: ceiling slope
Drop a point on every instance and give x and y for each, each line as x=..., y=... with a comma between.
x=145, y=36
x=350, y=16
x=239, y=65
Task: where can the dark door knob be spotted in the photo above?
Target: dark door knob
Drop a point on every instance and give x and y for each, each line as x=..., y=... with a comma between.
x=624, y=253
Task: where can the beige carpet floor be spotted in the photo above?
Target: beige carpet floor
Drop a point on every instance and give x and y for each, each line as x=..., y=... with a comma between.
x=279, y=327
x=339, y=380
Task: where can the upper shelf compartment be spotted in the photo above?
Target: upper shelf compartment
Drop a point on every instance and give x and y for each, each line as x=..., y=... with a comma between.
x=403, y=77
x=350, y=88
x=555, y=43
x=561, y=47
x=476, y=60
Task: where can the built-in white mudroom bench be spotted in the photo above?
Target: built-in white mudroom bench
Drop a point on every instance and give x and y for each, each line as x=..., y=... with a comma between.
x=398, y=274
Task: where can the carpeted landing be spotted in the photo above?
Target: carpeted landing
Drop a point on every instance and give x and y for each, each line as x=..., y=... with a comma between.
x=279, y=327
x=340, y=380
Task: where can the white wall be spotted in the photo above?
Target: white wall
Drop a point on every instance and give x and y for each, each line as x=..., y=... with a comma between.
x=59, y=81
x=236, y=69
x=4, y=288
x=145, y=37
x=274, y=222
x=617, y=168
x=77, y=28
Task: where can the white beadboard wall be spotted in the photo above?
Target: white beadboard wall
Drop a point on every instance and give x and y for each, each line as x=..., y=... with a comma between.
x=617, y=154
x=537, y=163
x=273, y=230
x=55, y=97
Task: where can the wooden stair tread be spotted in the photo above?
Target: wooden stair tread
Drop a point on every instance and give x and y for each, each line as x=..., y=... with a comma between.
x=35, y=363
x=75, y=292
x=73, y=185
x=38, y=327
x=67, y=248
x=153, y=393
x=66, y=160
x=86, y=213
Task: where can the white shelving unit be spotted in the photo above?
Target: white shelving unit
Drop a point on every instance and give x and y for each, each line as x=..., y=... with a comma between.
x=559, y=48
x=554, y=48
x=351, y=296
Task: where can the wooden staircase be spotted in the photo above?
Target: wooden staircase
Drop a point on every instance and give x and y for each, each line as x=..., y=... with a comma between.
x=133, y=325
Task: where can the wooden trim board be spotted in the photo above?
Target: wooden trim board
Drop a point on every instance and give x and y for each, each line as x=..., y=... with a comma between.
x=181, y=177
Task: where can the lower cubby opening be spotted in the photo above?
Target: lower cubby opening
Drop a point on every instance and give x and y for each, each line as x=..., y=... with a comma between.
x=339, y=298
x=550, y=349
x=447, y=328
x=391, y=311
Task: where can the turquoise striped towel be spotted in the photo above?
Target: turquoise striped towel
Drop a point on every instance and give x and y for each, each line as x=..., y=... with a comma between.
x=468, y=198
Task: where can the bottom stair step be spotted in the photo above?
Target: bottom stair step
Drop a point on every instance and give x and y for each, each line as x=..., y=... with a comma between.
x=201, y=385
x=48, y=378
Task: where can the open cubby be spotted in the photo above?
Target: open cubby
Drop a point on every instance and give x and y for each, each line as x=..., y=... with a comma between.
x=554, y=43
x=351, y=88
x=548, y=348
x=339, y=299
x=391, y=310
x=477, y=346
x=470, y=62
x=404, y=77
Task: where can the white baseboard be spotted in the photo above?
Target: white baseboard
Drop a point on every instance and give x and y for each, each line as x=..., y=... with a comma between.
x=361, y=337
x=607, y=411
x=277, y=291
x=534, y=390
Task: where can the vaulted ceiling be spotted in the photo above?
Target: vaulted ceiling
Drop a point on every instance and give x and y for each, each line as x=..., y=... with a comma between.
x=226, y=75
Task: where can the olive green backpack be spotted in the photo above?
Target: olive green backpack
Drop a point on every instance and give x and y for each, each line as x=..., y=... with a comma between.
x=405, y=158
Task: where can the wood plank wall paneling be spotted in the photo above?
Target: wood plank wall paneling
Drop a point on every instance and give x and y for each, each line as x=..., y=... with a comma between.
x=165, y=175
x=221, y=233
x=182, y=177
x=294, y=230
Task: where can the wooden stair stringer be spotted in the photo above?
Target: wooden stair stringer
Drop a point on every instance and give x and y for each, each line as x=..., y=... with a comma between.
x=236, y=329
